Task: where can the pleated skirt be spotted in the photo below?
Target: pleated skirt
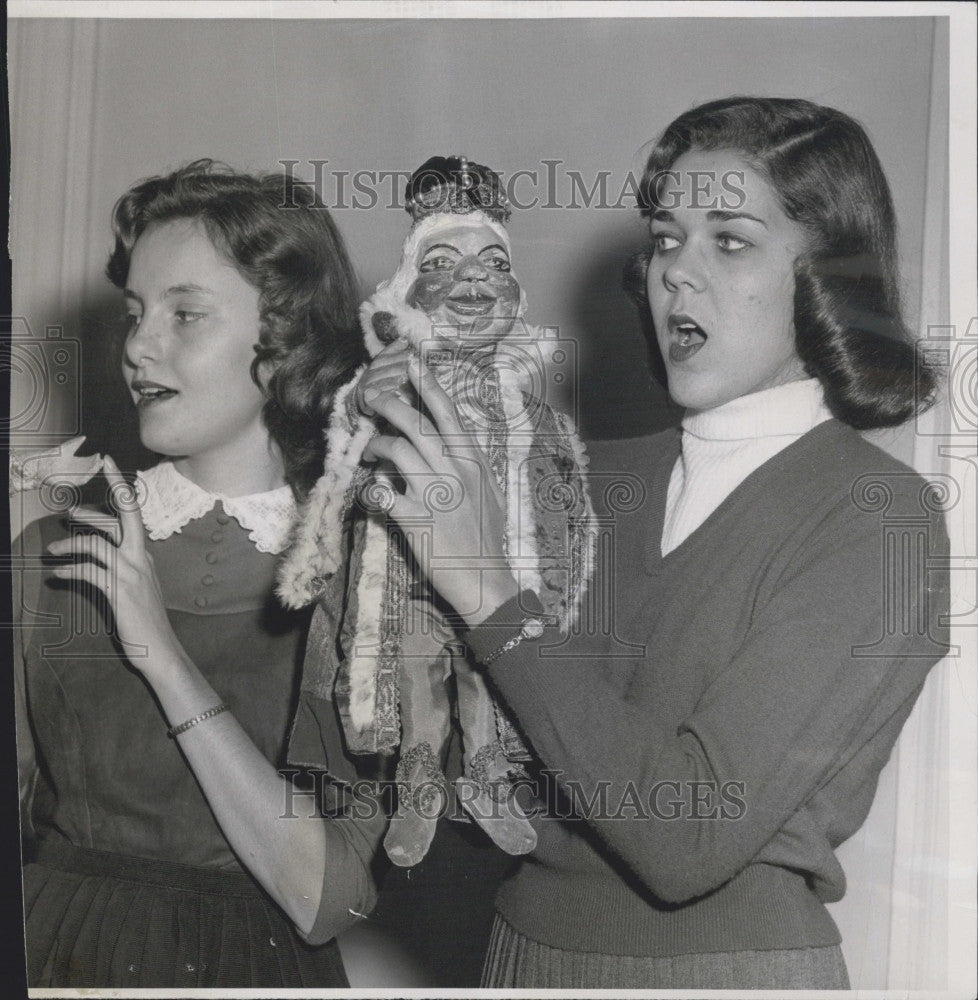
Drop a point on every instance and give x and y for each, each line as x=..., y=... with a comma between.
x=516, y=961
x=94, y=919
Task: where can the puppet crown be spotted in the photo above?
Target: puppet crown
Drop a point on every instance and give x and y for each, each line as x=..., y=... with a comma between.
x=453, y=185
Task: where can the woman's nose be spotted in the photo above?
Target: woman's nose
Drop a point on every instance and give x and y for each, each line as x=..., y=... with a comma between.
x=470, y=268
x=143, y=343
x=685, y=268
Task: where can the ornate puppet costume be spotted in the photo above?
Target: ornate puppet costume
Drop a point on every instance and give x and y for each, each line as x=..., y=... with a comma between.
x=383, y=646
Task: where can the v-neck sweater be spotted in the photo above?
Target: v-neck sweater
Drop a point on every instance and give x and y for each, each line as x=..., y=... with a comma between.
x=727, y=712
x=723, y=446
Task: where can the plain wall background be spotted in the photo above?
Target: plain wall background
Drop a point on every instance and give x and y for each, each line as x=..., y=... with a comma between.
x=383, y=95
x=97, y=105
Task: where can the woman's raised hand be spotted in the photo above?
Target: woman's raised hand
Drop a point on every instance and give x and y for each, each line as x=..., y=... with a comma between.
x=387, y=374
x=113, y=558
x=451, y=510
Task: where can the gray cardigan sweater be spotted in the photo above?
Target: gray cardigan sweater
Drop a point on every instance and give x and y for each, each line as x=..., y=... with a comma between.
x=719, y=728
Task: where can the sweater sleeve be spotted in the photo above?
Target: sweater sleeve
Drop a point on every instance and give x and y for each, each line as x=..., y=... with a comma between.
x=793, y=707
x=349, y=892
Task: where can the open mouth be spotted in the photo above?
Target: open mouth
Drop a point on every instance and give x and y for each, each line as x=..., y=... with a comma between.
x=686, y=337
x=151, y=392
x=473, y=302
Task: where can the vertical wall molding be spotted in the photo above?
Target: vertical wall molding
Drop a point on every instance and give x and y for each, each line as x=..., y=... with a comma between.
x=53, y=81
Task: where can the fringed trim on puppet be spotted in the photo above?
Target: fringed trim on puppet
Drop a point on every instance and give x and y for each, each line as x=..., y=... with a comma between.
x=386, y=724
x=370, y=609
x=583, y=548
x=521, y=522
x=316, y=544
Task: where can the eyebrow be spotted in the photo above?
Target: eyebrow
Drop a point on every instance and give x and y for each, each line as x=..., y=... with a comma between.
x=172, y=290
x=441, y=246
x=715, y=215
x=448, y=246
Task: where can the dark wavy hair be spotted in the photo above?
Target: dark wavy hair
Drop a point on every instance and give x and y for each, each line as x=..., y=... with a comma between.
x=283, y=242
x=849, y=330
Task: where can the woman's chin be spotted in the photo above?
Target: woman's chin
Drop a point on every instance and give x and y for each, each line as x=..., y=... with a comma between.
x=161, y=444
x=692, y=394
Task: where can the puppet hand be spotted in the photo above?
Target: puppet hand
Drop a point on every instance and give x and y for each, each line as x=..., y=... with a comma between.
x=113, y=558
x=385, y=326
x=451, y=509
x=60, y=464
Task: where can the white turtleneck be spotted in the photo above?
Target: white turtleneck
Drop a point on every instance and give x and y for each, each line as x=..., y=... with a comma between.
x=723, y=446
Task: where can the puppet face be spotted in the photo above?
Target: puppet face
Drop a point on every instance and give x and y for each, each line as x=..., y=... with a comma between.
x=465, y=284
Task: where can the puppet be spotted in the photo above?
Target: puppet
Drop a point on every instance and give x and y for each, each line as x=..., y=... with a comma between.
x=385, y=649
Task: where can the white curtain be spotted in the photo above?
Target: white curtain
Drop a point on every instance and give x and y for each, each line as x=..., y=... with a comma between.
x=908, y=921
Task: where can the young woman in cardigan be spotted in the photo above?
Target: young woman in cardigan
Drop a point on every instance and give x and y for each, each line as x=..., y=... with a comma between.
x=160, y=671
x=711, y=777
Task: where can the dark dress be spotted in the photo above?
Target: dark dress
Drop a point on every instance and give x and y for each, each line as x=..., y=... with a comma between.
x=133, y=883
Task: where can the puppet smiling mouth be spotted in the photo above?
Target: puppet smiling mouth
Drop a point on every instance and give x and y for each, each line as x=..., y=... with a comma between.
x=471, y=303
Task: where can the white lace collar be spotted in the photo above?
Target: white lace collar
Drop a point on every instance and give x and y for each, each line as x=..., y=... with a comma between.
x=168, y=501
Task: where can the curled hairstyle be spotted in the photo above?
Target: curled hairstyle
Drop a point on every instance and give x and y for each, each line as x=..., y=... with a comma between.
x=286, y=245
x=849, y=331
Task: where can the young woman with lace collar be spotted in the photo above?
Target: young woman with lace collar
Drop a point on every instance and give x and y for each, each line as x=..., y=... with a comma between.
x=160, y=670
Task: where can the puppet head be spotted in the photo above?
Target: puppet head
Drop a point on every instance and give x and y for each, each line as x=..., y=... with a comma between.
x=455, y=279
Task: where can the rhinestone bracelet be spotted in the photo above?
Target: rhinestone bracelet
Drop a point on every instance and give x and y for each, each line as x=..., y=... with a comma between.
x=190, y=723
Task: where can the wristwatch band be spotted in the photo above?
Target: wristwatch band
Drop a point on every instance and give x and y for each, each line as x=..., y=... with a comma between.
x=531, y=628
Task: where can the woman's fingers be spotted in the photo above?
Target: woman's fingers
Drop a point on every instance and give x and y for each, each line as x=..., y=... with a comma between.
x=390, y=359
x=376, y=387
x=415, y=427
x=386, y=370
x=90, y=573
x=387, y=374
x=380, y=496
x=421, y=483
x=124, y=501
x=401, y=453
x=102, y=522
x=447, y=449
x=434, y=397
x=92, y=547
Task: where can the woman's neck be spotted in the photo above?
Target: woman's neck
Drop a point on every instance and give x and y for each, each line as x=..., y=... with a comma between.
x=235, y=471
x=789, y=409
